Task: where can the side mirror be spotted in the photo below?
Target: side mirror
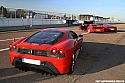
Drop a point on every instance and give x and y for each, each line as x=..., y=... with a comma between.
x=80, y=35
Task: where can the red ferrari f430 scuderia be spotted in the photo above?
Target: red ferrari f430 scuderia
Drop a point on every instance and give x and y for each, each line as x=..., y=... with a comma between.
x=53, y=50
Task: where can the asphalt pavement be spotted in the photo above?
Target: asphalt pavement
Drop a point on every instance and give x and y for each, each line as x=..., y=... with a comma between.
x=102, y=59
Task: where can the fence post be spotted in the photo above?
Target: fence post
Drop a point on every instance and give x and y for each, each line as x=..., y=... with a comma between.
x=31, y=23
x=42, y=21
x=22, y=22
x=8, y=22
x=50, y=21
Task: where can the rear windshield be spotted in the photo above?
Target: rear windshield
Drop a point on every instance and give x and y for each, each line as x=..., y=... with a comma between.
x=46, y=37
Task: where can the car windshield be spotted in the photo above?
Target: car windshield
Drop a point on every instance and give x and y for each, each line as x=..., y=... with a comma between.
x=46, y=37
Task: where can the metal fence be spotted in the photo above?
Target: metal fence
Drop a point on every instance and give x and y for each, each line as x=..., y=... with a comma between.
x=23, y=13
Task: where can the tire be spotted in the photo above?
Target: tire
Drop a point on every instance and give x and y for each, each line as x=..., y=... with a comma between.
x=72, y=64
x=115, y=31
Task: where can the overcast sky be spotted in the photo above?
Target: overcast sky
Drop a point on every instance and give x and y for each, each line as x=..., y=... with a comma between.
x=106, y=8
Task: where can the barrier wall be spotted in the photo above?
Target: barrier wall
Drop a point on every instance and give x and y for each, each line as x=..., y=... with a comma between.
x=21, y=24
x=7, y=24
x=25, y=22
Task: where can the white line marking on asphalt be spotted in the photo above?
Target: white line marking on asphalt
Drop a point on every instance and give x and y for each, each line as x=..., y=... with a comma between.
x=75, y=30
x=9, y=39
x=84, y=33
x=4, y=49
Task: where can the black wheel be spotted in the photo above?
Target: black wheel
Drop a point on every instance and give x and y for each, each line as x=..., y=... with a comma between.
x=115, y=31
x=72, y=65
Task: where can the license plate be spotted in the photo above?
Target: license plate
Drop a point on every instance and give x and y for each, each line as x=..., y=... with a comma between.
x=112, y=29
x=30, y=61
x=98, y=30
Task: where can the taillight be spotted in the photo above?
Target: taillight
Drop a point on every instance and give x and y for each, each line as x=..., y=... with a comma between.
x=57, y=53
x=54, y=51
x=12, y=46
x=61, y=51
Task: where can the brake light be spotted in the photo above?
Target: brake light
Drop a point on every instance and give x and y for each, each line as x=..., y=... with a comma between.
x=57, y=53
x=54, y=51
x=61, y=51
x=12, y=46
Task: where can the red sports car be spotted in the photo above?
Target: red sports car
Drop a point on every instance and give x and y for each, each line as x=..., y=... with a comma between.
x=95, y=28
x=109, y=27
x=53, y=50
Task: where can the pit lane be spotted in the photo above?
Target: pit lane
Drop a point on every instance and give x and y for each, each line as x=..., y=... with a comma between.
x=102, y=57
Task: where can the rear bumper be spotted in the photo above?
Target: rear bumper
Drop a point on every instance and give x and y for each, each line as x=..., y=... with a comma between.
x=51, y=65
x=47, y=66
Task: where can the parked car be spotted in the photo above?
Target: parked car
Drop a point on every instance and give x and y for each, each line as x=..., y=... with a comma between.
x=109, y=27
x=53, y=50
x=95, y=28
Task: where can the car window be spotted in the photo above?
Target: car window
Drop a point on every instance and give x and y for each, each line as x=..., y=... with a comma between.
x=72, y=35
x=46, y=37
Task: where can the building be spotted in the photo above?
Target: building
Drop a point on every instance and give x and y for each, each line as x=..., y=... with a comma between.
x=92, y=17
